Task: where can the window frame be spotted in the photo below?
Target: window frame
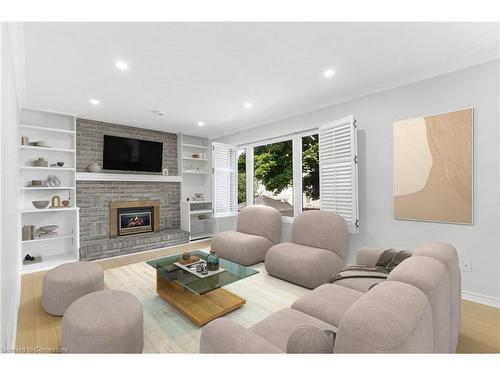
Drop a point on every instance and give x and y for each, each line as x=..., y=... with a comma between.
x=296, y=139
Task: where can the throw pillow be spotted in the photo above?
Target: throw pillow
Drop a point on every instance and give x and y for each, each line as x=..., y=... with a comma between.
x=310, y=339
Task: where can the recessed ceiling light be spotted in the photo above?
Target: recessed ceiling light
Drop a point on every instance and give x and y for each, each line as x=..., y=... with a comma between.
x=121, y=65
x=95, y=102
x=329, y=73
x=248, y=105
x=201, y=123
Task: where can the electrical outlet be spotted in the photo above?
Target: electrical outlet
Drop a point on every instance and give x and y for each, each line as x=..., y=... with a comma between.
x=466, y=265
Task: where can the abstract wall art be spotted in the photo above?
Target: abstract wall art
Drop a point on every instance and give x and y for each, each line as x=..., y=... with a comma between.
x=433, y=168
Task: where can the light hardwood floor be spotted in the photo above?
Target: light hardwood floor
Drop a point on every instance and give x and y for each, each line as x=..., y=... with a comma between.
x=169, y=332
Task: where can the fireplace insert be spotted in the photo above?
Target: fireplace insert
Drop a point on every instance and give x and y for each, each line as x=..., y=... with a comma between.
x=135, y=220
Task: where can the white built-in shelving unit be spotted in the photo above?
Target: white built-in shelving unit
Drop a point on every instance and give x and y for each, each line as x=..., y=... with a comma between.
x=195, y=167
x=58, y=131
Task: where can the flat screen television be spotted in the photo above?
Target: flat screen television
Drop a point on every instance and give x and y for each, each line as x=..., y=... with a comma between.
x=128, y=154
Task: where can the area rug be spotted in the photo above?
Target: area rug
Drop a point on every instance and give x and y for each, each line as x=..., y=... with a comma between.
x=167, y=331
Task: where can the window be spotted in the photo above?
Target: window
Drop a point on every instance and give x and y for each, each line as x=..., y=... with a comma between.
x=273, y=176
x=307, y=171
x=242, y=178
x=310, y=173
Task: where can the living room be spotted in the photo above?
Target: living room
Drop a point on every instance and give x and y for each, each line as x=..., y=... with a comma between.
x=250, y=187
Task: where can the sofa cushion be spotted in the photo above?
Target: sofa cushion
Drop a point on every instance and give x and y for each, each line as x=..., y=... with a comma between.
x=242, y=248
x=278, y=327
x=225, y=336
x=393, y=317
x=328, y=302
x=309, y=339
x=321, y=229
x=261, y=221
x=302, y=265
x=359, y=284
x=431, y=277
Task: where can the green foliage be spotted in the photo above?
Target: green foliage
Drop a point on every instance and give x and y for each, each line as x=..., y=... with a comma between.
x=242, y=178
x=310, y=166
x=273, y=166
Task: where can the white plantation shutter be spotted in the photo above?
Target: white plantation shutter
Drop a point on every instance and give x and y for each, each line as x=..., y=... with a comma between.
x=339, y=170
x=224, y=169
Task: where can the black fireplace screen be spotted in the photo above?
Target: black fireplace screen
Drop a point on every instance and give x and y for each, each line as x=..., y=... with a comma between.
x=133, y=221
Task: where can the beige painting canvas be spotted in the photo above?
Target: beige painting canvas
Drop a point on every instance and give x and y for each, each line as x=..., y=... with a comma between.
x=433, y=168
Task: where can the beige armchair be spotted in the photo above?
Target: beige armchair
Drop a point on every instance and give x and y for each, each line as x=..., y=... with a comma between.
x=258, y=228
x=317, y=251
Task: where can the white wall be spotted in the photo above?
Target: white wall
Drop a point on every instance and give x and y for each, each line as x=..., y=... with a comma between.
x=9, y=223
x=476, y=87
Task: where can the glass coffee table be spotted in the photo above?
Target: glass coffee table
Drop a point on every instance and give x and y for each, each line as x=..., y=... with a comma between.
x=199, y=299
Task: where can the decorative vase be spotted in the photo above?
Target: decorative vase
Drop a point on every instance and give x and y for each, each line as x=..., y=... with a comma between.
x=212, y=261
x=94, y=168
x=56, y=201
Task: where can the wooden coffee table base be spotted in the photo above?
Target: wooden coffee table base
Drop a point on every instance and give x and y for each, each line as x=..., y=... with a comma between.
x=200, y=309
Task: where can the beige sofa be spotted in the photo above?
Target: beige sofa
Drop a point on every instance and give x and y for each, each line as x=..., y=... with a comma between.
x=258, y=228
x=317, y=251
x=416, y=310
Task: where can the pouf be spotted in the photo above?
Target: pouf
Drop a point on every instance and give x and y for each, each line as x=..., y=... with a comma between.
x=66, y=283
x=108, y=321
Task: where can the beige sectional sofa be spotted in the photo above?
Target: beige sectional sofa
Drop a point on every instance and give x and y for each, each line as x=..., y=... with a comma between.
x=416, y=310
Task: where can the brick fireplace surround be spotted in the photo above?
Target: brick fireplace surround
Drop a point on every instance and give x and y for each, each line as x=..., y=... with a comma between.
x=95, y=197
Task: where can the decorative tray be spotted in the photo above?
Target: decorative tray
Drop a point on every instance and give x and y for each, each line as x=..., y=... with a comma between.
x=191, y=268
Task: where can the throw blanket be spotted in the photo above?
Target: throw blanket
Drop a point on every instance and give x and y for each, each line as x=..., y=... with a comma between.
x=387, y=261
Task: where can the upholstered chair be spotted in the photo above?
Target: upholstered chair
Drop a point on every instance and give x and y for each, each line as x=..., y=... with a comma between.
x=258, y=228
x=318, y=250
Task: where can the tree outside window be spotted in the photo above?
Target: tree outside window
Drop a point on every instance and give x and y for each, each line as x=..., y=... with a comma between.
x=273, y=173
x=242, y=178
x=310, y=173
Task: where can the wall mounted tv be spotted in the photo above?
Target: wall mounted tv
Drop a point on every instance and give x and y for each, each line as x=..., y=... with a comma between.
x=128, y=154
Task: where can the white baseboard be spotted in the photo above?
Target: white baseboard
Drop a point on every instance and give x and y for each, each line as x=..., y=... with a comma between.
x=481, y=298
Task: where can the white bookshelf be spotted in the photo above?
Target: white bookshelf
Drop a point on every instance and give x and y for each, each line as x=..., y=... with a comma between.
x=58, y=130
x=196, y=216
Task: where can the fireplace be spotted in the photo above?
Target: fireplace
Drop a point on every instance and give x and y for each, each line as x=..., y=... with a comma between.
x=134, y=220
x=134, y=217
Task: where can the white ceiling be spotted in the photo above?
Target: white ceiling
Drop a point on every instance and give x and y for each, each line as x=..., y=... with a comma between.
x=207, y=71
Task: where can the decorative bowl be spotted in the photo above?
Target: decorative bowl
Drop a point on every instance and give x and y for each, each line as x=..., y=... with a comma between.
x=195, y=156
x=48, y=228
x=60, y=163
x=40, y=204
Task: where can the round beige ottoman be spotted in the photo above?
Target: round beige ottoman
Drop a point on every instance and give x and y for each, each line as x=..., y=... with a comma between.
x=66, y=283
x=108, y=321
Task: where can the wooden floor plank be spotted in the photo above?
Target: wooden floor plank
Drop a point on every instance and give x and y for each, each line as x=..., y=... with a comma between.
x=25, y=320
x=46, y=332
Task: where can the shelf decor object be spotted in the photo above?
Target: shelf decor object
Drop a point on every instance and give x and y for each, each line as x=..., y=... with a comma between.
x=433, y=168
x=49, y=157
